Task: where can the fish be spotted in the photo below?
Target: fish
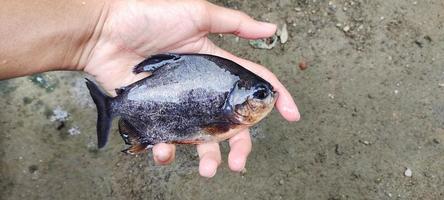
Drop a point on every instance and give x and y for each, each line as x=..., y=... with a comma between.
x=186, y=99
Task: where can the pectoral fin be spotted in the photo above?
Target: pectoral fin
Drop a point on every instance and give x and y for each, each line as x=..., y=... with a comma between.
x=131, y=137
x=217, y=128
x=222, y=130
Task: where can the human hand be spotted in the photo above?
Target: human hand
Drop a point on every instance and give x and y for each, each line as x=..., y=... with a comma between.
x=129, y=31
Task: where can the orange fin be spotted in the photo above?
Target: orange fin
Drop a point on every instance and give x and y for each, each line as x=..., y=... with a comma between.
x=136, y=149
x=191, y=141
x=217, y=128
x=128, y=133
x=130, y=137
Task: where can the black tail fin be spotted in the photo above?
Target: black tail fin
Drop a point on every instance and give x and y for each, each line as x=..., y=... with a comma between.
x=104, y=115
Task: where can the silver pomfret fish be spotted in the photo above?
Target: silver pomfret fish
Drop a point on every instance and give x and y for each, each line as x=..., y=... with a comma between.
x=187, y=99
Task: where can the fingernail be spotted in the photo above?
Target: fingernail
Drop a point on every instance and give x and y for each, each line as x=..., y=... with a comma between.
x=212, y=174
x=291, y=111
x=267, y=24
x=238, y=164
x=209, y=169
x=162, y=155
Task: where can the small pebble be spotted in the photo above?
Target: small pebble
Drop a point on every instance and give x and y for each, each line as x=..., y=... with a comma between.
x=284, y=34
x=58, y=114
x=303, y=64
x=364, y=142
x=331, y=6
x=346, y=28
x=267, y=43
x=74, y=131
x=408, y=172
x=441, y=85
x=33, y=169
x=338, y=150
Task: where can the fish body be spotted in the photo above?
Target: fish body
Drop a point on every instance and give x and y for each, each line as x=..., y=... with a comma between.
x=188, y=98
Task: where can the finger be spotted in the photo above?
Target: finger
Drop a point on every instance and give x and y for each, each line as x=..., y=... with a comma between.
x=240, y=148
x=210, y=159
x=225, y=20
x=285, y=103
x=164, y=154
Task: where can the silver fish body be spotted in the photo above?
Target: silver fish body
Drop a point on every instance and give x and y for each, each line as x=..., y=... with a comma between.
x=188, y=98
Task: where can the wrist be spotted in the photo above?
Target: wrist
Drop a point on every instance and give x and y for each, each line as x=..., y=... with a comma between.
x=42, y=36
x=83, y=35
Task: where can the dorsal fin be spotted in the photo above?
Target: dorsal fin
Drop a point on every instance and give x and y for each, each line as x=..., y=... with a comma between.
x=119, y=91
x=155, y=62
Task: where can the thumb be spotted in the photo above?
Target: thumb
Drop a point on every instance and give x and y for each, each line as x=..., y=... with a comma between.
x=225, y=20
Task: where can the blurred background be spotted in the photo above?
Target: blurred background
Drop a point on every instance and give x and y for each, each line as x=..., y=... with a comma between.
x=368, y=77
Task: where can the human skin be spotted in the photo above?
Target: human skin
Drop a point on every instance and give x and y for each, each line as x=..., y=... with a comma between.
x=107, y=38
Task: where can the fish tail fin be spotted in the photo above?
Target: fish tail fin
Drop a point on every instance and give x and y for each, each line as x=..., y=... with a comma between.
x=104, y=115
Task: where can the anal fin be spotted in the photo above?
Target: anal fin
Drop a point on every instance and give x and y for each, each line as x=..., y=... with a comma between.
x=130, y=137
x=136, y=149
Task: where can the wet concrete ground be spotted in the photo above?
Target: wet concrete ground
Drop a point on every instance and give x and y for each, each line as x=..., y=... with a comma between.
x=371, y=99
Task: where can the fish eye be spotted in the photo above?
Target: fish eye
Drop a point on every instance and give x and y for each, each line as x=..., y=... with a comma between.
x=261, y=92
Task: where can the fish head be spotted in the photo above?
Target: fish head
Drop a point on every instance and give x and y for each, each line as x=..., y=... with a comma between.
x=250, y=101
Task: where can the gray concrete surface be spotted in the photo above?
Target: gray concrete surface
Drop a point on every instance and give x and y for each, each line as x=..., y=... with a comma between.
x=371, y=99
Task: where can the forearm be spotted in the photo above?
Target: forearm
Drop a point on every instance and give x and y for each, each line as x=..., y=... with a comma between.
x=44, y=35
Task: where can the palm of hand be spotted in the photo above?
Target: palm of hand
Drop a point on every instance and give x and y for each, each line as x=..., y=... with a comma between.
x=134, y=30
